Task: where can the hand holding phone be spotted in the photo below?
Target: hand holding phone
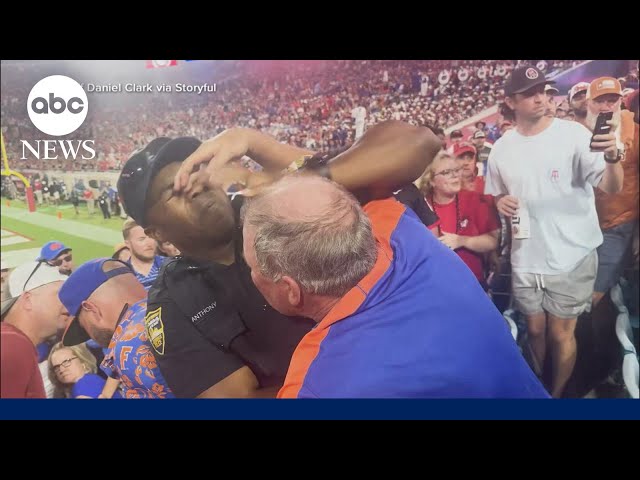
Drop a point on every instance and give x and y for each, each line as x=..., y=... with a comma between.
x=602, y=127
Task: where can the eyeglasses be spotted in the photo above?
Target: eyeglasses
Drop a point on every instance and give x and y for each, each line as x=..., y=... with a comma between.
x=65, y=364
x=58, y=262
x=450, y=173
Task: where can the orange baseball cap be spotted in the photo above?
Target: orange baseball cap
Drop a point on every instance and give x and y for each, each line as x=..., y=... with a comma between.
x=603, y=86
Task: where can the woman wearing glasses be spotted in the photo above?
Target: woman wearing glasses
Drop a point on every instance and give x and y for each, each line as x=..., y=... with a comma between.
x=468, y=224
x=73, y=372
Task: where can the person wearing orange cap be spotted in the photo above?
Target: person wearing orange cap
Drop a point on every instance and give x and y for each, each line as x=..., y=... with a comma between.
x=617, y=212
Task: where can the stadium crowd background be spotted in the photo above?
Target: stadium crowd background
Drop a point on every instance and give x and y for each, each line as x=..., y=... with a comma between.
x=308, y=104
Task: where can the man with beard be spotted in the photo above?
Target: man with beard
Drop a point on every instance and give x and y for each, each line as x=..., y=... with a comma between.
x=578, y=101
x=618, y=212
x=108, y=304
x=483, y=148
x=213, y=333
x=31, y=314
x=57, y=254
x=144, y=261
x=544, y=174
x=552, y=106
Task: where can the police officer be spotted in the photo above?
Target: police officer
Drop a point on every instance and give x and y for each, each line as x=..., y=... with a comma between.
x=75, y=201
x=213, y=333
x=103, y=201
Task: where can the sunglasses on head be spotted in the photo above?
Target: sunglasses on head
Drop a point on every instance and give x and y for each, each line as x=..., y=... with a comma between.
x=24, y=287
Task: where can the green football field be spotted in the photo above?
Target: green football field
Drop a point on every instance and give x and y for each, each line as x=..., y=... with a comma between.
x=24, y=233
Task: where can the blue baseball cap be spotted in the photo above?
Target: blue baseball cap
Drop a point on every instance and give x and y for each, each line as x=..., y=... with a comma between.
x=51, y=250
x=79, y=287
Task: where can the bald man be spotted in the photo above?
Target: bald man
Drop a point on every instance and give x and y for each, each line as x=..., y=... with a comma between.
x=31, y=313
x=398, y=315
x=108, y=304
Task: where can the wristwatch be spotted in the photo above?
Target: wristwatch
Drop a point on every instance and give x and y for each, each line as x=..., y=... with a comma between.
x=319, y=164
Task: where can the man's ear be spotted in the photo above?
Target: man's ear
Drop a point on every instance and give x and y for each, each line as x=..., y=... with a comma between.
x=27, y=299
x=92, y=308
x=294, y=292
x=510, y=102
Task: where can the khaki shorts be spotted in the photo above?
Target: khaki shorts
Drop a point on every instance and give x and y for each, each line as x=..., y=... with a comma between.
x=566, y=295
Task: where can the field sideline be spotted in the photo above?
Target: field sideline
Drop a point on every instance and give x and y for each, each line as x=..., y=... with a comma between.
x=24, y=233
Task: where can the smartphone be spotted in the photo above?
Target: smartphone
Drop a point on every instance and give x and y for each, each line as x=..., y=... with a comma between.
x=601, y=127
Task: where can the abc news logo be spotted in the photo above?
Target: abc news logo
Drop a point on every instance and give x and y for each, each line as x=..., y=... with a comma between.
x=57, y=105
x=40, y=105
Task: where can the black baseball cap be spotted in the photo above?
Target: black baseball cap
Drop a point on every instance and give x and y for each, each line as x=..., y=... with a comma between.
x=143, y=165
x=523, y=78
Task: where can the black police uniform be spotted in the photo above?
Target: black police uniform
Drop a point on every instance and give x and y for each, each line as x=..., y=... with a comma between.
x=206, y=320
x=103, y=201
x=411, y=196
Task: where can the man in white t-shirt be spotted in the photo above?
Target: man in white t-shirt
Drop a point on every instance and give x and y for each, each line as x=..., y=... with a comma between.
x=544, y=172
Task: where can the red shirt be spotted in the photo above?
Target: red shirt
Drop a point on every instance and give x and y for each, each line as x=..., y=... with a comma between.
x=477, y=185
x=19, y=373
x=476, y=216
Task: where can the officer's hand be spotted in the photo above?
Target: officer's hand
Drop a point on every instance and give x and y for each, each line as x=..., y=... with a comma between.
x=257, y=182
x=229, y=145
x=223, y=178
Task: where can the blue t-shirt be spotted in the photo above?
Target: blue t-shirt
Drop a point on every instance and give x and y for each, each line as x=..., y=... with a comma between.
x=90, y=385
x=147, y=280
x=419, y=325
x=43, y=351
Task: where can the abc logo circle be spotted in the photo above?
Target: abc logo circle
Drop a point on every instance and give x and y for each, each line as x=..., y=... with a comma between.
x=57, y=105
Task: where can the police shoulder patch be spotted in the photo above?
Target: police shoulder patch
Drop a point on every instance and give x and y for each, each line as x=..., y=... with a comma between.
x=155, y=329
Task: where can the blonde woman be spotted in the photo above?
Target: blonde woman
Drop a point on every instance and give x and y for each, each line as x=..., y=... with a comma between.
x=73, y=372
x=468, y=222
